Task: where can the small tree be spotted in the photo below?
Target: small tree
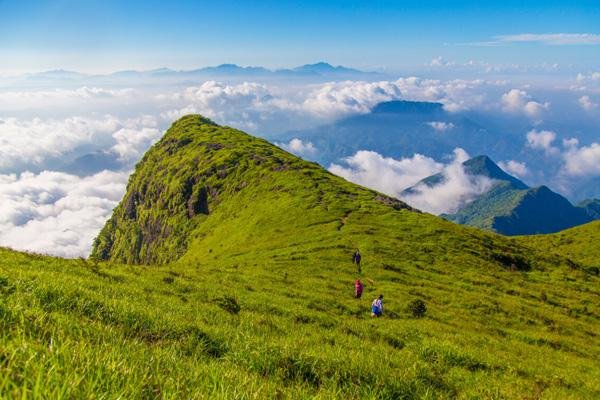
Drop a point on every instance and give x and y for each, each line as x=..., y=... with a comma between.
x=417, y=308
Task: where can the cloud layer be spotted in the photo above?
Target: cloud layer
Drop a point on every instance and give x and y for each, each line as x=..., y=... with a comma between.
x=59, y=212
x=35, y=143
x=56, y=213
x=392, y=177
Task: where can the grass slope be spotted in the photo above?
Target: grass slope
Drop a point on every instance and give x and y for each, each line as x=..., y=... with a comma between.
x=579, y=244
x=254, y=297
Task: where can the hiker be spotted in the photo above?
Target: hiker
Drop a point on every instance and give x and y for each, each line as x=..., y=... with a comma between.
x=358, y=289
x=356, y=259
x=377, y=306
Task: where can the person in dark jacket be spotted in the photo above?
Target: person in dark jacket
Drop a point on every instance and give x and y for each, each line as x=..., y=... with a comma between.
x=356, y=259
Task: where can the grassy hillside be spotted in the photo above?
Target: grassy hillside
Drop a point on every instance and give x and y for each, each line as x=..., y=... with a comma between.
x=250, y=293
x=223, y=190
x=76, y=329
x=579, y=244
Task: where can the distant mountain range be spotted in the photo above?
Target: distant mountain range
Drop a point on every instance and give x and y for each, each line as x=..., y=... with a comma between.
x=511, y=207
x=319, y=69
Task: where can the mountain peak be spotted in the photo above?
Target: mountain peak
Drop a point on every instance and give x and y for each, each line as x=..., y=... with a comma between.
x=407, y=107
x=323, y=67
x=483, y=165
x=208, y=187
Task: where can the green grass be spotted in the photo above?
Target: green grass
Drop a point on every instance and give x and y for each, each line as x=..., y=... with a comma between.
x=579, y=244
x=76, y=329
x=251, y=295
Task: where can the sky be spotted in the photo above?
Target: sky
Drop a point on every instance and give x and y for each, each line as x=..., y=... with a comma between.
x=109, y=35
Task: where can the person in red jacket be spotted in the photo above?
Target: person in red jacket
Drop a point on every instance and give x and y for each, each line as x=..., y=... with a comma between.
x=358, y=289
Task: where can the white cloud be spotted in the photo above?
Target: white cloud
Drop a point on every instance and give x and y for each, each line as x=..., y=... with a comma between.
x=242, y=105
x=33, y=141
x=455, y=95
x=392, y=176
x=519, y=101
x=551, y=38
x=266, y=108
x=386, y=174
x=440, y=126
x=440, y=62
x=335, y=99
x=456, y=189
x=298, y=147
x=26, y=144
x=542, y=140
x=582, y=161
x=589, y=81
x=253, y=106
x=514, y=168
x=586, y=103
x=570, y=143
x=135, y=137
x=56, y=213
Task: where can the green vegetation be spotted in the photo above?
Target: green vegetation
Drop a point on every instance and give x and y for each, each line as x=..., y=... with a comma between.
x=510, y=211
x=250, y=294
x=579, y=245
x=510, y=207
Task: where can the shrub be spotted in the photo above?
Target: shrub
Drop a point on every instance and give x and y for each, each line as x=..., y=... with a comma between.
x=394, y=342
x=417, y=308
x=228, y=304
x=297, y=368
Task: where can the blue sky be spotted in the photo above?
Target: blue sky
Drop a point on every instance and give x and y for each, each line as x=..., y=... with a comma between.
x=110, y=35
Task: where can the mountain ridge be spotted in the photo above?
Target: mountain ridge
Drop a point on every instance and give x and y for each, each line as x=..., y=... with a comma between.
x=511, y=207
x=227, y=162
x=319, y=69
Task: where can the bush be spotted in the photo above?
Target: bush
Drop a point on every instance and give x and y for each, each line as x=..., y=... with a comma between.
x=417, y=308
x=228, y=304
